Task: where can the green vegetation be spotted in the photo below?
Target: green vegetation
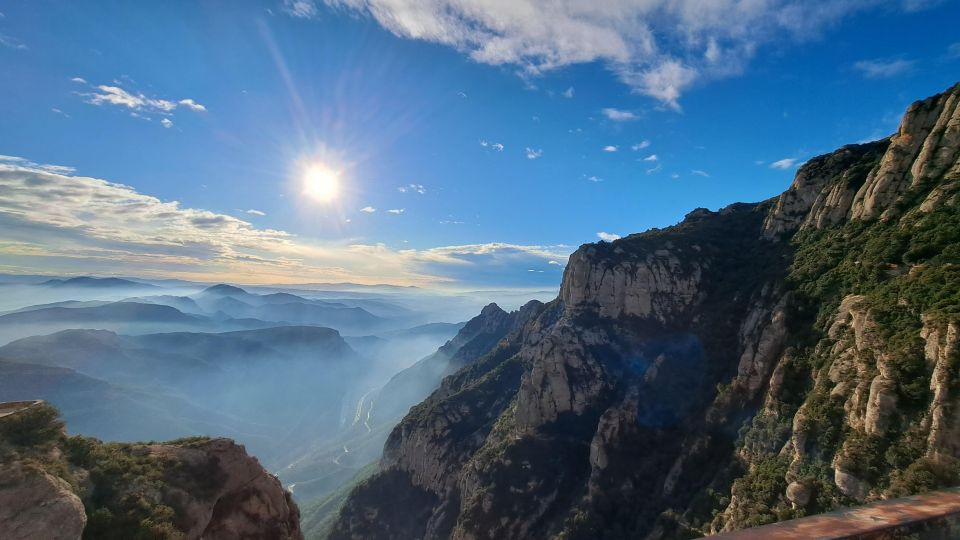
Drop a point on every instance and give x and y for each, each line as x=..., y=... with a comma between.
x=123, y=484
x=908, y=271
x=318, y=519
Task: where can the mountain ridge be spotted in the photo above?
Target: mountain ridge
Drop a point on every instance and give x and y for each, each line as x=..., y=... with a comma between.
x=761, y=362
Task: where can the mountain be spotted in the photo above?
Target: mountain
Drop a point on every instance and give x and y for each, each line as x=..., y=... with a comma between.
x=97, y=408
x=278, y=390
x=328, y=470
x=233, y=302
x=750, y=365
x=56, y=486
x=113, y=312
x=97, y=283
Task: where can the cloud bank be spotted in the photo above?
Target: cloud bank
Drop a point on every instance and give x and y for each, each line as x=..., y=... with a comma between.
x=657, y=47
x=54, y=221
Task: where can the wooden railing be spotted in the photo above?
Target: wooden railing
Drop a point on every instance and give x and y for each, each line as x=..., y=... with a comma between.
x=930, y=516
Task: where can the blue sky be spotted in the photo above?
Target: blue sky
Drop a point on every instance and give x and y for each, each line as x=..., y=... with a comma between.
x=613, y=117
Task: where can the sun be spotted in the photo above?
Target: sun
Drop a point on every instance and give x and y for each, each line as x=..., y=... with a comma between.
x=321, y=183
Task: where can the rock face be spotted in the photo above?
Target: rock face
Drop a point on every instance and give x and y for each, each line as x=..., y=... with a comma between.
x=248, y=502
x=34, y=504
x=59, y=487
x=744, y=366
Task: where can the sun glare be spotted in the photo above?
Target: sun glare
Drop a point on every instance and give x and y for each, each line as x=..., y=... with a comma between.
x=321, y=183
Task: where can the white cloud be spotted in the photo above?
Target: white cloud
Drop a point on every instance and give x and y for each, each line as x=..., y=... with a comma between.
x=304, y=9
x=192, y=105
x=610, y=148
x=657, y=47
x=953, y=50
x=674, y=176
x=618, y=115
x=607, y=237
x=258, y=213
x=698, y=172
x=462, y=95
x=533, y=153
x=493, y=146
x=28, y=166
x=651, y=157
x=166, y=122
x=138, y=103
x=54, y=222
x=412, y=188
x=368, y=209
x=640, y=145
x=568, y=93
x=783, y=164
x=595, y=179
x=555, y=263
x=883, y=69
x=11, y=42
x=665, y=82
x=656, y=169
x=396, y=211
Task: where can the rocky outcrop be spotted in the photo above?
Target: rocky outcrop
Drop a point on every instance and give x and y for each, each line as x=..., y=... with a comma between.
x=869, y=181
x=752, y=364
x=651, y=285
x=60, y=487
x=824, y=190
x=942, y=351
x=247, y=502
x=34, y=504
x=924, y=149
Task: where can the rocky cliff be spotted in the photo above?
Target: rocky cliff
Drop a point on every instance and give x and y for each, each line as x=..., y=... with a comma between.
x=754, y=364
x=59, y=487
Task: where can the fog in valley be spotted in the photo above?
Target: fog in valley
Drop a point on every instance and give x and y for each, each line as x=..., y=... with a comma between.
x=310, y=378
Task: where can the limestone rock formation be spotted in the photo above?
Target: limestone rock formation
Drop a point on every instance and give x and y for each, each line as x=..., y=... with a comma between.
x=35, y=504
x=60, y=487
x=758, y=363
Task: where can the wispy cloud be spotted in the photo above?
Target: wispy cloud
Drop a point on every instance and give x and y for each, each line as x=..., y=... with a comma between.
x=533, y=153
x=138, y=103
x=883, y=69
x=595, y=179
x=783, y=164
x=607, y=237
x=618, y=115
x=493, y=146
x=303, y=9
x=568, y=93
x=698, y=172
x=368, y=209
x=610, y=148
x=11, y=42
x=396, y=211
x=257, y=213
x=640, y=145
x=651, y=157
x=953, y=50
x=412, y=188
x=656, y=169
